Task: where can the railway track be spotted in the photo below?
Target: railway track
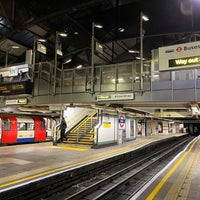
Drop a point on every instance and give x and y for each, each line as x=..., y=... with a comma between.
x=117, y=177
x=126, y=182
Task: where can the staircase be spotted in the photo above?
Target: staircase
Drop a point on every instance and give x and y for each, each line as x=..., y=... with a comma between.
x=83, y=133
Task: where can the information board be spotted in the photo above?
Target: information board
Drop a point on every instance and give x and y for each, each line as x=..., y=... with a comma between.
x=14, y=88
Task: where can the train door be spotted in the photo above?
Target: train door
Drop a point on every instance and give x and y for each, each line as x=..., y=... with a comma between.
x=40, y=129
x=9, y=130
x=25, y=126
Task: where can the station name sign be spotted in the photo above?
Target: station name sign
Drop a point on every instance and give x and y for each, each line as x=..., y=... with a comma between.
x=115, y=97
x=16, y=101
x=184, y=61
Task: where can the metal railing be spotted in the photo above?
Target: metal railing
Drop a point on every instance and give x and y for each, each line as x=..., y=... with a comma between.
x=117, y=78
x=85, y=126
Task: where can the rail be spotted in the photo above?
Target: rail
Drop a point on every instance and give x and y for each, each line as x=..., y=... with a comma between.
x=78, y=183
x=182, y=85
x=85, y=126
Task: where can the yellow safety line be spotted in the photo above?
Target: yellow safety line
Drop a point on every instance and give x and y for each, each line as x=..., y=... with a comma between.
x=53, y=171
x=70, y=148
x=61, y=168
x=38, y=175
x=163, y=181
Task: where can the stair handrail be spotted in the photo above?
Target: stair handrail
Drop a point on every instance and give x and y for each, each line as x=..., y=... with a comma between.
x=73, y=119
x=83, y=123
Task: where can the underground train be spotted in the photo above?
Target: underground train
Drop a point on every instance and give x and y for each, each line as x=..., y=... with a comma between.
x=15, y=129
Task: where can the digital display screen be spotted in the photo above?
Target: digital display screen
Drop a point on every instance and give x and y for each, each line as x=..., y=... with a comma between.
x=14, y=88
x=184, y=61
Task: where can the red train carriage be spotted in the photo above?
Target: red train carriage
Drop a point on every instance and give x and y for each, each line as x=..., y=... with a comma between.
x=22, y=129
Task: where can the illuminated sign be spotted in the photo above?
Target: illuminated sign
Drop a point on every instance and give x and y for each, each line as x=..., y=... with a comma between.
x=185, y=55
x=124, y=96
x=103, y=97
x=14, y=88
x=16, y=101
x=99, y=47
x=14, y=70
x=41, y=48
x=184, y=61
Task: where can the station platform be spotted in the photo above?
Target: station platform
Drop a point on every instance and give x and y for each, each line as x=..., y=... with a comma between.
x=27, y=162
x=179, y=180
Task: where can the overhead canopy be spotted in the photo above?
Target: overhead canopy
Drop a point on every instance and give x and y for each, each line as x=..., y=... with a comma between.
x=171, y=22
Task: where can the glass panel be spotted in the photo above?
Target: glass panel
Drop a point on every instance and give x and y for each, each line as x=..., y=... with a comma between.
x=198, y=73
x=80, y=77
x=161, y=76
x=97, y=75
x=42, y=124
x=21, y=126
x=184, y=75
x=67, y=78
x=29, y=126
x=108, y=74
x=6, y=124
x=165, y=76
x=125, y=73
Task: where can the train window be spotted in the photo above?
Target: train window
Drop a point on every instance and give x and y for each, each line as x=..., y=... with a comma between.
x=7, y=125
x=42, y=124
x=21, y=126
x=30, y=126
x=25, y=126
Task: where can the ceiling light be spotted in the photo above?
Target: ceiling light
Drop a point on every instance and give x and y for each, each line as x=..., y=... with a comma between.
x=138, y=58
x=41, y=40
x=147, y=65
x=63, y=34
x=79, y=66
x=137, y=78
x=121, y=29
x=133, y=51
x=67, y=61
x=15, y=47
x=145, y=18
x=98, y=25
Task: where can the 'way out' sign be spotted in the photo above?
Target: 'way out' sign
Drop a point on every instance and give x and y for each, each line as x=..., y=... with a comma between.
x=121, y=122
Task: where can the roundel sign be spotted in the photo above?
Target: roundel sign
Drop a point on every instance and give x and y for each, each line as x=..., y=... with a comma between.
x=121, y=122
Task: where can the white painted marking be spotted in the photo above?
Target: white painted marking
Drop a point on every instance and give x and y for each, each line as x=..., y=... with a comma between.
x=15, y=161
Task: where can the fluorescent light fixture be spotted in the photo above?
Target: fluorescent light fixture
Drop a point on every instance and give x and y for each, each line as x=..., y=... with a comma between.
x=119, y=80
x=15, y=47
x=67, y=61
x=41, y=40
x=133, y=51
x=137, y=78
x=79, y=66
x=121, y=29
x=138, y=58
x=63, y=34
x=156, y=75
x=98, y=26
x=145, y=18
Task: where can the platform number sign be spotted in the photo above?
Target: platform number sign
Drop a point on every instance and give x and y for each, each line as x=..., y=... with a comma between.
x=121, y=122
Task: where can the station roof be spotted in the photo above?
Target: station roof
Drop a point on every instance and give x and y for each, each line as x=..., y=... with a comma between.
x=170, y=22
x=22, y=22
